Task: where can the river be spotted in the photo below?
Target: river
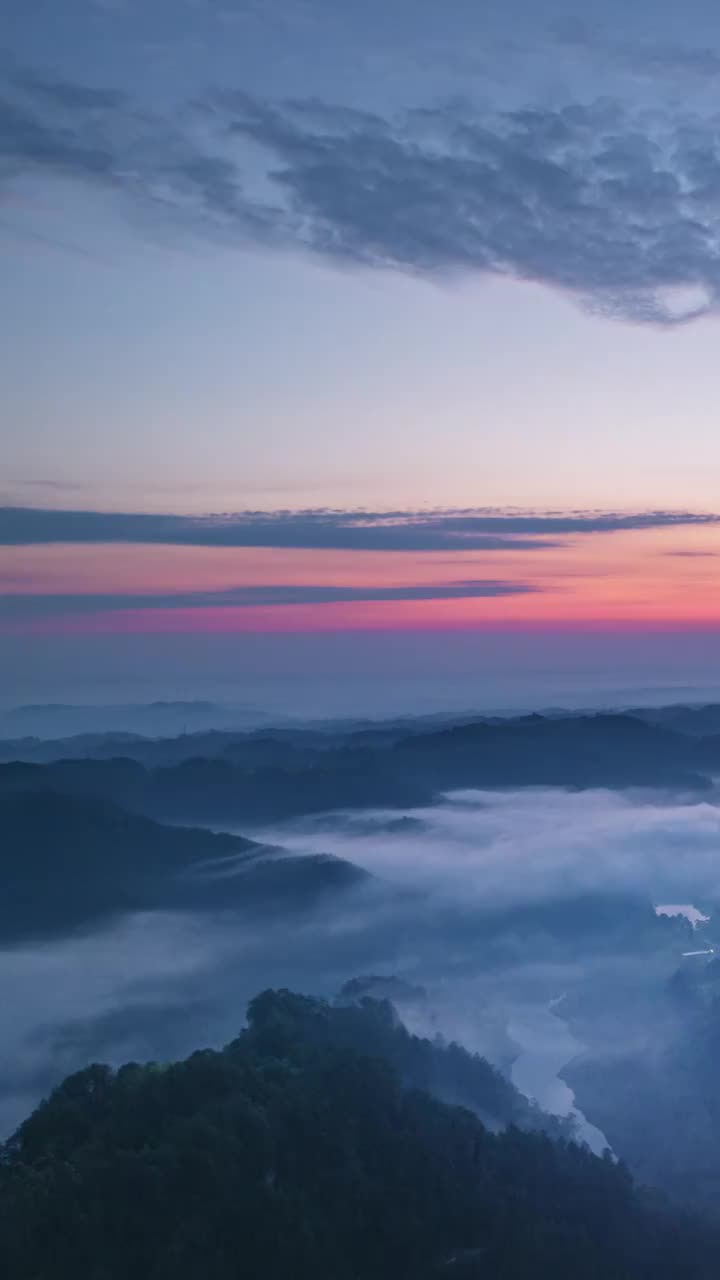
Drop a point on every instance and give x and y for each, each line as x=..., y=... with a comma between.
x=546, y=1045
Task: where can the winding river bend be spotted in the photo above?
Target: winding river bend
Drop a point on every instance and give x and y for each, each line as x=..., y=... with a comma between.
x=546, y=1045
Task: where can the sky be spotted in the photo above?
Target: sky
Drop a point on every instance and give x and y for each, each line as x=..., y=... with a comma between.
x=392, y=323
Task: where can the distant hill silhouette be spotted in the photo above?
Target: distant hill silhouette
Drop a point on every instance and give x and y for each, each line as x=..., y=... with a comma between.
x=253, y=778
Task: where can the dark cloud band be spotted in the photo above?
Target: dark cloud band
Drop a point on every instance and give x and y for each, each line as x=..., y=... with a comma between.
x=26, y=607
x=465, y=530
x=589, y=199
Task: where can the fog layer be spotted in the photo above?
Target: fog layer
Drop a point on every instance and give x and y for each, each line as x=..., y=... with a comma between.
x=496, y=902
x=500, y=849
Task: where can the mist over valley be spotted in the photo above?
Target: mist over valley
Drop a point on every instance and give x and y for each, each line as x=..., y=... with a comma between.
x=564, y=933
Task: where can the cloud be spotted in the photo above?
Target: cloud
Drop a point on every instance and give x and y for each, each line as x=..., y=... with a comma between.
x=25, y=235
x=52, y=604
x=613, y=207
x=461, y=530
x=583, y=198
x=646, y=57
x=99, y=135
x=692, y=555
x=62, y=94
x=58, y=486
x=495, y=850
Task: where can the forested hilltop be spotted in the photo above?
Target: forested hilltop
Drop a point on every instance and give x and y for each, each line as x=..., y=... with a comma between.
x=300, y=1151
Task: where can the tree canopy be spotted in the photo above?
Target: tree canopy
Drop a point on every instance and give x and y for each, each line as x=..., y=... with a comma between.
x=295, y=1152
